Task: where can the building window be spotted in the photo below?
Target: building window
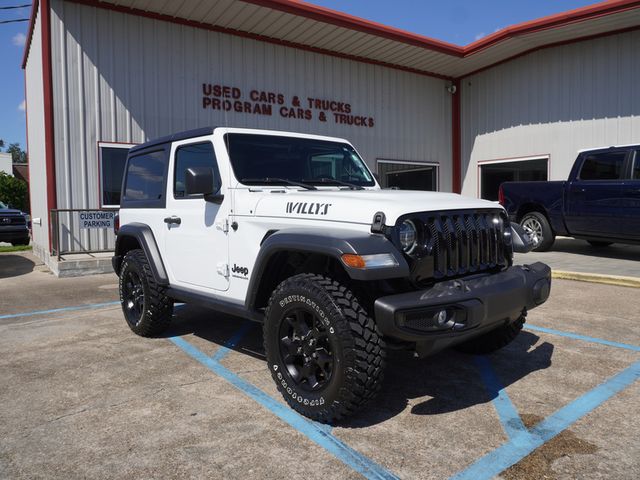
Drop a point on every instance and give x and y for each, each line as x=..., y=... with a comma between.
x=112, y=157
x=495, y=172
x=405, y=175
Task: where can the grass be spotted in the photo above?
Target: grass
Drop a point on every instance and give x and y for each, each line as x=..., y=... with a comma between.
x=11, y=248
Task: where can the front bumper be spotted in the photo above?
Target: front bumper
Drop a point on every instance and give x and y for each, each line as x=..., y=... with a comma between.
x=12, y=234
x=472, y=306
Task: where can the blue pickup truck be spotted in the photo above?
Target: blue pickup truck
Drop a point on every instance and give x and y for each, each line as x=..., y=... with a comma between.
x=599, y=203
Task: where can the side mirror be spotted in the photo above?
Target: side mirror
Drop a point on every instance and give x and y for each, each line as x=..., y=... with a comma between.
x=522, y=242
x=201, y=181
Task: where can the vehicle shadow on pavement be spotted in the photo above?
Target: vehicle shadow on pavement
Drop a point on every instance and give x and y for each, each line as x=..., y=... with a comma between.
x=616, y=251
x=450, y=380
x=15, y=265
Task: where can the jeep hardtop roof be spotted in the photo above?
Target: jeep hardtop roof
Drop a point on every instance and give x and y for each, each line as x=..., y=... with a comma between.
x=201, y=132
x=196, y=132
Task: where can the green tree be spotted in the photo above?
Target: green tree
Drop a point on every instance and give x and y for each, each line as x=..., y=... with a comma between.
x=14, y=192
x=1, y=143
x=17, y=154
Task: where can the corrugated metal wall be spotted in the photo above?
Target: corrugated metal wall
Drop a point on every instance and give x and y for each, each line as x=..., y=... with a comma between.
x=36, y=142
x=554, y=101
x=123, y=78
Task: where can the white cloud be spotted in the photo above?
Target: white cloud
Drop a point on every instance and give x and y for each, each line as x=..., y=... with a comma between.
x=19, y=39
x=479, y=36
x=23, y=106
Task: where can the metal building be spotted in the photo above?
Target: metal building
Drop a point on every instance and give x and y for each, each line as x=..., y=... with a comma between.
x=104, y=75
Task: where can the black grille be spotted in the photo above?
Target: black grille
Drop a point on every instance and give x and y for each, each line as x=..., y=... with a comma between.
x=12, y=220
x=458, y=243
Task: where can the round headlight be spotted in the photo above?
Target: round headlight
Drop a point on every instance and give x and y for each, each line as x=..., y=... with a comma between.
x=408, y=236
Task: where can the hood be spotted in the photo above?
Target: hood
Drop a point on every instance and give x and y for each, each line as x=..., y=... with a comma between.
x=10, y=211
x=359, y=206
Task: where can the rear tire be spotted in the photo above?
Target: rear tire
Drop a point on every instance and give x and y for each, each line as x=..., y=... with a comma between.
x=537, y=223
x=493, y=340
x=324, y=352
x=146, y=308
x=597, y=244
x=23, y=241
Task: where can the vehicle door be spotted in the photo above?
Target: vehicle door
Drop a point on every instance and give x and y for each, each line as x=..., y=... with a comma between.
x=594, y=197
x=631, y=192
x=196, y=236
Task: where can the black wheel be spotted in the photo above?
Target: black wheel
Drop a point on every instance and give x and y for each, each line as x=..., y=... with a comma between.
x=537, y=224
x=22, y=241
x=324, y=352
x=493, y=340
x=145, y=306
x=597, y=244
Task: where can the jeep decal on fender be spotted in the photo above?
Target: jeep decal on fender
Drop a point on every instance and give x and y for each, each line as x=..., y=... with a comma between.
x=308, y=208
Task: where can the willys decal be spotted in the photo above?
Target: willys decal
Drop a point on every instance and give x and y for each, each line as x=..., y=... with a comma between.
x=308, y=208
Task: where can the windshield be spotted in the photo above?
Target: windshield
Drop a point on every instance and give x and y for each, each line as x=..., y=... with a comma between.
x=3, y=206
x=272, y=159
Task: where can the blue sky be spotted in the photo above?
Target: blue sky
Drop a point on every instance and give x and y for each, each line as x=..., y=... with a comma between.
x=455, y=21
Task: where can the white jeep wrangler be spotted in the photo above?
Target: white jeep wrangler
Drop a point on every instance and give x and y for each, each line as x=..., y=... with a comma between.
x=293, y=231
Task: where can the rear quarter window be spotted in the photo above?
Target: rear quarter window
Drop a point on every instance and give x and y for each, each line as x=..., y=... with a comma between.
x=145, y=180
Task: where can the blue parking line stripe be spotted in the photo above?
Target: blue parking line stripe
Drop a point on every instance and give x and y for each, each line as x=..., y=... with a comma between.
x=576, y=336
x=233, y=341
x=509, y=417
x=524, y=443
x=57, y=310
x=355, y=460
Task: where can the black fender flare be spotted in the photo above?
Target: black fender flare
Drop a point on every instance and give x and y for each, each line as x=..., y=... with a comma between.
x=144, y=236
x=332, y=243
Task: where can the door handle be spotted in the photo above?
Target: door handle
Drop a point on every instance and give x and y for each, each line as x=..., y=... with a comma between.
x=173, y=220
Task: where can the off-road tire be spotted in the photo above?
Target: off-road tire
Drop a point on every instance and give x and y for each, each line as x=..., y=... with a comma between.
x=599, y=244
x=157, y=307
x=493, y=340
x=358, y=348
x=548, y=237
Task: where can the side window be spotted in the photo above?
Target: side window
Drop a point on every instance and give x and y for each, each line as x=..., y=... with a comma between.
x=636, y=166
x=194, y=155
x=603, y=166
x=145, y=178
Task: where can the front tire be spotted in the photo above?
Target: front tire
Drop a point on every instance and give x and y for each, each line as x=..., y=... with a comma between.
x=324, y=352
x=146, y=308
x=493, y=340
x=21, y=242
x=537, y=223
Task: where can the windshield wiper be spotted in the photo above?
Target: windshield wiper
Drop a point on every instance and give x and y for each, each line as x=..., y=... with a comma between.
x=277, y=181
x=329, y=180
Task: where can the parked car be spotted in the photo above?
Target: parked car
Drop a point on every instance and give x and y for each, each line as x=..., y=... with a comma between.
x=599, y=203
x=14, y=226
x=293, y=231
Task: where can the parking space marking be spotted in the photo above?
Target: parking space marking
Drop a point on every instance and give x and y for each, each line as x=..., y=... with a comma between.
x=526, y=442
x=509, y=417
x=233, y=341
x=577, y=336
x=350, y=457
x=57, y=310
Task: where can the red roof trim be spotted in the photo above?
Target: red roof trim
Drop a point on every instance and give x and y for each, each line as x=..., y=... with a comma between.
x=558, y=20
x=351, y=22
x=334, y=17
x=551, y=45
x=32, y=22
x=253, y=36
